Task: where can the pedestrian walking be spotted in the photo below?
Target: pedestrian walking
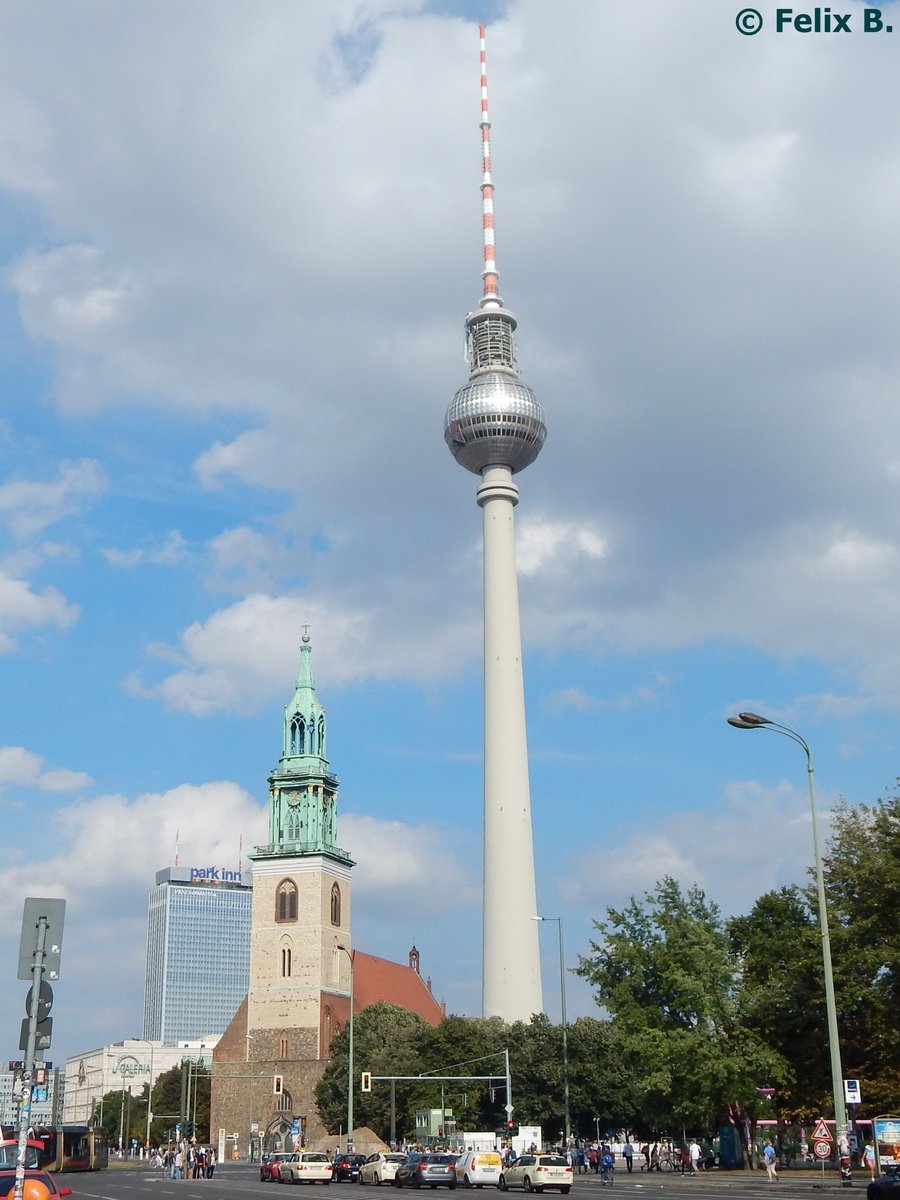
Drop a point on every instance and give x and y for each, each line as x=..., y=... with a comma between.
x=769, y=1158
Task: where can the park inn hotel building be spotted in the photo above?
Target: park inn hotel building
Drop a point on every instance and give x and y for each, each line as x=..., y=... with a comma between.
x=198, y=952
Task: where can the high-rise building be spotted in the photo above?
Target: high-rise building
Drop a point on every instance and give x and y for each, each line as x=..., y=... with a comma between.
x=198, y=952
x=495, y=427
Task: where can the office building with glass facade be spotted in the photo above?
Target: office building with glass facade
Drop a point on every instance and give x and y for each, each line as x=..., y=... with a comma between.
x=198, y=952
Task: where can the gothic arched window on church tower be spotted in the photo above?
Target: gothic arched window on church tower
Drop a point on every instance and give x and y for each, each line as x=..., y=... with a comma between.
x=283, y=1046
x=335, y=904
x=298, y=735
x=285, y=962
x=322, y=736
x=286, y=901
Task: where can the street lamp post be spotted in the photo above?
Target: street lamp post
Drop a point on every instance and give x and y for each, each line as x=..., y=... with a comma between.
x=249, y=1039
x=748, y=720
x=349, y=954
x=565, y=1044
x=147, y=1042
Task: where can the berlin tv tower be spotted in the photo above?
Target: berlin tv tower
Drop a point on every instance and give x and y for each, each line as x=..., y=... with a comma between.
x=494, y=427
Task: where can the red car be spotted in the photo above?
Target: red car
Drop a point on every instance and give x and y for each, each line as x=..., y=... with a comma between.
x=268, y=1168
x=38, y=1185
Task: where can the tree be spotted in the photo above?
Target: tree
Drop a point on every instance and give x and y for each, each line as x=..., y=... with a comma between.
x=665, y=970
x=782, y=998
x=387, y=1040
x=862, y=880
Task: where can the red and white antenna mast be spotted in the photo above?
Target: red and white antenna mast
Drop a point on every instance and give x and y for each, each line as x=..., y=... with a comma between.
x=490, y=274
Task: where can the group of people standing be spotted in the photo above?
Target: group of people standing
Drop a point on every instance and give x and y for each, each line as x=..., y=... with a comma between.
x=194, y=1162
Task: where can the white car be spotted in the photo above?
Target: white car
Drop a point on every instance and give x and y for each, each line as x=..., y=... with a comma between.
x=476, y=1168
x=380, y=1168
x=535, y=1172
x=305, y=1166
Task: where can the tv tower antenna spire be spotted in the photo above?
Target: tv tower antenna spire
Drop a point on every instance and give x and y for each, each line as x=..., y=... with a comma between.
x=490, y=275
x=495, y=427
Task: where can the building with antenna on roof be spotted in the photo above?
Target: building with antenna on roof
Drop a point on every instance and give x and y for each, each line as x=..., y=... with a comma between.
x=495, y=427
x=198, y=952
x=300, y=951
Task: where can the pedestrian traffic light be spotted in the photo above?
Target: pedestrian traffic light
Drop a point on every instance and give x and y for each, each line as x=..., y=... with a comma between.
x=512, y=1129
x=366, y=1084
x=278, y=1085
x=188, y=1128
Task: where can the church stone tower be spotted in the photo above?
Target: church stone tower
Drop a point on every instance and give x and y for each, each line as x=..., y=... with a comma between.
x=299, y=993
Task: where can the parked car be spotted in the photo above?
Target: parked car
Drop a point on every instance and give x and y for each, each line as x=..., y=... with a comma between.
x=29, y=1191
x=886, y=1185
x=426, y=1170
x=268, y=1167
x=345, y=1167
x=476, y=1168
x=535, y=1172
x=380, y=1168
x=305, y=1166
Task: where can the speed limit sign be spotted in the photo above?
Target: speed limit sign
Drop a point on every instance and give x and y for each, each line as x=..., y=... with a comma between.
x=822, y=1149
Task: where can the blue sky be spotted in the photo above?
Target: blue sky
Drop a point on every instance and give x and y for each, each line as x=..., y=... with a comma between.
x=238, y=245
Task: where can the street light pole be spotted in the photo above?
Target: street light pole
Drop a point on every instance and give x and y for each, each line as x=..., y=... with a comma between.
x=349, y=954
x=147, y=1042
x=565, y=1044
x=249, y=1039
x=747, y=720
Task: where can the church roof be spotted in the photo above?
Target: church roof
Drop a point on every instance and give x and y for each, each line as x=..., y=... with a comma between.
x=377, y=979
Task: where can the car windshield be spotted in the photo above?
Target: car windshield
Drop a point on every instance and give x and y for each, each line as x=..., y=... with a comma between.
x=315, y=1158
x=439, y=1158
x=555, y=1160
x=395, y=1158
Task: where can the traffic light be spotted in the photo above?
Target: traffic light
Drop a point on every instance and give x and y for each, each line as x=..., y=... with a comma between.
x=188, y=1128
x=512, y=1129
x=366, y=1083
x=277, y=1085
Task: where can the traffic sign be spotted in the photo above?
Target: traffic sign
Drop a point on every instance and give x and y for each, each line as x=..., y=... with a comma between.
x=852, y=1092
x=822, y=1149
x=821, y=1133
x=45, y=1000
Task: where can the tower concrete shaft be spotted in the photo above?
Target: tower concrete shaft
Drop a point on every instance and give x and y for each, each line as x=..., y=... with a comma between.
x=495, y=427
x=511, y=981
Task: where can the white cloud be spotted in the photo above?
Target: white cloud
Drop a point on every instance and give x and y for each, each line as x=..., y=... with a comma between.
x=395, y=870
x=22, y=609
x=27, y=507
x=171, y=550
x=23, y=768
x=757, y=839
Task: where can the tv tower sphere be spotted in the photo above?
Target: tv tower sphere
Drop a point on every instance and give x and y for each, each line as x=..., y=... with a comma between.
x=494, y=427
x=494, y=420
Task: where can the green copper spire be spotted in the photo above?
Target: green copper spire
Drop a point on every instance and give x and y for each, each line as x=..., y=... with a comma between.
x=302, y=789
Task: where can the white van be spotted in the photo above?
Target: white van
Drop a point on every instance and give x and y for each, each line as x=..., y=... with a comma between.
x=476, y=1168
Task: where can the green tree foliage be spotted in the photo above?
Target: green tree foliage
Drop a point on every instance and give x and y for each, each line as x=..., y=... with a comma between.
x=665, y=970
x=782, y=997
x=862, y=875
x=779, y=948
x=391, y=1041
x=387, y=1040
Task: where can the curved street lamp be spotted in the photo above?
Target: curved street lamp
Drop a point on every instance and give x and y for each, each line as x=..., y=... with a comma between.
x=749, y=720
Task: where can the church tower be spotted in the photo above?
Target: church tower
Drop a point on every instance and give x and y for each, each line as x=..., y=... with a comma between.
x=301, y=889
x=272, y=1055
